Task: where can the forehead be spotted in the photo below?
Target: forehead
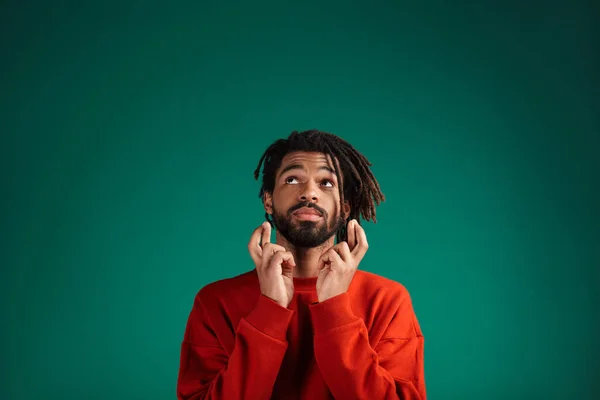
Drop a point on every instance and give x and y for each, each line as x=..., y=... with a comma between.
x=306, y=159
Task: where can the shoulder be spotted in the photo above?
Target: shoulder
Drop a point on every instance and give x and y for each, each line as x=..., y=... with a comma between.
x=239, y=286
x=377, y=285
x=377, y=294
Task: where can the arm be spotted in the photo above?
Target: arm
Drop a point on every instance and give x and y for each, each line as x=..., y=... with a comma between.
x=206, y=370
x=353, y=369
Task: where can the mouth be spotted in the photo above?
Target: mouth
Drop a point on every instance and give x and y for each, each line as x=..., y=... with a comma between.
x=307, y=217
x=307, y=214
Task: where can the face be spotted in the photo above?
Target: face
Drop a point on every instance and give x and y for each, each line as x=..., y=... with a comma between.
x=305, y=203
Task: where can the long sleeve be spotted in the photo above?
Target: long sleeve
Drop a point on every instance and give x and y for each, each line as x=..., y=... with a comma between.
x=207, y=371
x=352, y=369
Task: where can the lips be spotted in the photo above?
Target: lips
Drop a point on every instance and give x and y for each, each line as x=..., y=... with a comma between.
x=307, y=214
x=306, y=210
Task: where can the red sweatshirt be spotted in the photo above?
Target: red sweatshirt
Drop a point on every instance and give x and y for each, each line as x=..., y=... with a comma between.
x=363, y=344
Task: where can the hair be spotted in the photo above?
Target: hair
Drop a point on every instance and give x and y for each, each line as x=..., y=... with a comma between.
x=358, y=185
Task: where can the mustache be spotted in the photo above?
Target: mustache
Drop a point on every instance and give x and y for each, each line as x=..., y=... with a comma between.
x=307, y=205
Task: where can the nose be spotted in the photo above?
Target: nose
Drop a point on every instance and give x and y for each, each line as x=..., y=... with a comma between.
x=309, y=192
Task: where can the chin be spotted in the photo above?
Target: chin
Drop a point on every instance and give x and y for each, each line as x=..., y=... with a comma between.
x=309, y=224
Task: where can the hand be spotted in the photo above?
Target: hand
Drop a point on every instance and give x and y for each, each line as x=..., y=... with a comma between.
x=339, y=263
x=274, y=266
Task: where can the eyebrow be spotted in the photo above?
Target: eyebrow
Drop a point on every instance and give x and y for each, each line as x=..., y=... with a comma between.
x=299, y=166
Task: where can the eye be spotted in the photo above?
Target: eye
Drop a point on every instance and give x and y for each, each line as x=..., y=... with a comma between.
x=290, y=178
x=328, y=181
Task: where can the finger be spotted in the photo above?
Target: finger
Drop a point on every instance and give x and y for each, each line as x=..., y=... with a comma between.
x=255, y=237
x=361, y=243
x=351, y=232
x=330, y=257
x=287, y=267
x=323, y=260
x=266, y=233
x=343, y=250
x=254, y=244
x=282, y=257
x=269, y=249
x=335, y=259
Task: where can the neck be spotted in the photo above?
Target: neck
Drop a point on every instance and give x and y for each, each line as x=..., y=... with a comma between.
x=307, y=259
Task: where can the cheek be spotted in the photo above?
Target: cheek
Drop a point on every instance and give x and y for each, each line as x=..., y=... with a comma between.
x=285, y=194
x=334, y=206
x=280, y=199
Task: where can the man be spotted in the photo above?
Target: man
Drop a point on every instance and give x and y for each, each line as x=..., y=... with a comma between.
x=305, y=323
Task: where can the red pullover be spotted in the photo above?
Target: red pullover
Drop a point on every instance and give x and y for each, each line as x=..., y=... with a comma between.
x=363, y=344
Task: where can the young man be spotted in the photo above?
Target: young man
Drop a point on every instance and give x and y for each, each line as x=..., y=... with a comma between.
x=306, y=323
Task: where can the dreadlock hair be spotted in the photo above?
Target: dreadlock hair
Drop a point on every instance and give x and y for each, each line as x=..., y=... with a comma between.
x=358, y=185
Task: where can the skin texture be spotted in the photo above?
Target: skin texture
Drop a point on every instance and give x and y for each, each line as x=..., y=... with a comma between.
x=305, y=248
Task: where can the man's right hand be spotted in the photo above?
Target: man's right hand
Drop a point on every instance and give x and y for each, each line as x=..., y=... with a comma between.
x=274, y=266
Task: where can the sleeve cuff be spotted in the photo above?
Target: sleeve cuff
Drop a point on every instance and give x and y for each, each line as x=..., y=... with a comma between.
x=270, y=318
x=332, y=313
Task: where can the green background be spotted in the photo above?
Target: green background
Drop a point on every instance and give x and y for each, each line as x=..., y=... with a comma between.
x=130, y=132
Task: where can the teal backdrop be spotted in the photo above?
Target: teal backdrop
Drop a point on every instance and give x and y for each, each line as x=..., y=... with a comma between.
x=131, y=130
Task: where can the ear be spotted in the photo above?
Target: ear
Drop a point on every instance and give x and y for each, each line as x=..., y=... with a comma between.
x=268, y=202
x=346, y=209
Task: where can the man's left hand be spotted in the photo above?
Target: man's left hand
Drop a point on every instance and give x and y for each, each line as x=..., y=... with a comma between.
x=339, y=263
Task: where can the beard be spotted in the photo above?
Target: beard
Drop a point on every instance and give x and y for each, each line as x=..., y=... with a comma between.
x=306, y=234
